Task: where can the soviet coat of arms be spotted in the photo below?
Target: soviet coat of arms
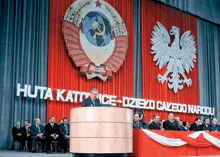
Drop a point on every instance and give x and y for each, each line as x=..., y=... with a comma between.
x=96, y=38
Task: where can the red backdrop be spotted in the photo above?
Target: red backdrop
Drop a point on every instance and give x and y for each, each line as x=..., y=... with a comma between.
x=63, y=74
x=151, y=12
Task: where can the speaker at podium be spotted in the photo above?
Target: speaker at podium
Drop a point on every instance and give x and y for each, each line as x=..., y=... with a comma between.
x=101, y=130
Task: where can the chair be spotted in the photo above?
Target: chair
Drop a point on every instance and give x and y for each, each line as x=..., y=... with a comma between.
x=26, y=145
x=55, y=146
x=17, y=145
x=39, y=146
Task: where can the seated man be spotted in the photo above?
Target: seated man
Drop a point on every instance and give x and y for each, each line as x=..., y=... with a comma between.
x=214, y=126
x=186, y=125
x=51, y=132
x=64, y=132
x=155, y=125
x=136, y=123
x=205, y=125
x=26, y=133
x=179, y=123
x=170, y=124
x=16, y=133
x=37, y=134
x=196, y=125
x=92, y=100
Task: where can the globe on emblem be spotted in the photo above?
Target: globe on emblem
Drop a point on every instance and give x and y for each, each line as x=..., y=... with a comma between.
x=97, y=28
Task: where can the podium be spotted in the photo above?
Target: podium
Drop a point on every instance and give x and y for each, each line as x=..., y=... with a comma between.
x=101, y=130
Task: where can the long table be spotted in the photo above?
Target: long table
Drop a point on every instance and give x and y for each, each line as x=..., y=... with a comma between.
x=143, y=146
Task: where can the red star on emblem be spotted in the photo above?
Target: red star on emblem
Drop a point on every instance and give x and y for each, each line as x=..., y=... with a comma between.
x=98, y=4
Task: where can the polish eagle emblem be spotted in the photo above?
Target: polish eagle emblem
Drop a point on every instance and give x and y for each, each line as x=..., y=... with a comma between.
x=96, y=38
x=178, y=58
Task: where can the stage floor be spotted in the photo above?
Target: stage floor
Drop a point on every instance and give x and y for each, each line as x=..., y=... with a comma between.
x=10, y=153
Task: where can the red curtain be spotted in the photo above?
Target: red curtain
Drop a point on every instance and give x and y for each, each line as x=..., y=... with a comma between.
x=62, y=72
x=151, y=13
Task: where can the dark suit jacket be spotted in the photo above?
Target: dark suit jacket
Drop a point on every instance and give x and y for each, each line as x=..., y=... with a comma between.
x=167, y=125
x=24, y=132
x=155, y=126
x=136, y=125
x=62, y=130
x=50, y=130
x=214, y=127
x=181, y=128
x=34, y=130
x=88, y=102
x=194, y=127
x=15, y=131
x=144, y=125
x=203, y=127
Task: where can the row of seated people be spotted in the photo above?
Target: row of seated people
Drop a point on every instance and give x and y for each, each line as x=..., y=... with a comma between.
x=45, y=134
x=174, y=123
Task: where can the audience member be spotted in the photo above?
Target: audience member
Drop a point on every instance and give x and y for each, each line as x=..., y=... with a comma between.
x=64, y=134
x=16, y=133
x=205, y=125
x=186, y=125
x=143, y=124
x=136, y=123
x=170, y=124
x=26, y=133
x=37, y=134
x=213, y=125
x=179, y=123
x=155, y=125
x=51, y=132
x=196, y=125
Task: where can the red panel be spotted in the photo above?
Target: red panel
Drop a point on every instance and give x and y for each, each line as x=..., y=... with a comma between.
x=149, y=147
x=151, y=13
x=144, y=146
x=63, y=74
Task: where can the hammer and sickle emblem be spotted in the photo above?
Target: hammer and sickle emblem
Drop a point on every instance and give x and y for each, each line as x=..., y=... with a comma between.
x=95, y=26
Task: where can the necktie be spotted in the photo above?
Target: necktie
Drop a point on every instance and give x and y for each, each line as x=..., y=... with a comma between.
x=66, y=129
x=26, y=130
x=38, y=129
x=93, y=102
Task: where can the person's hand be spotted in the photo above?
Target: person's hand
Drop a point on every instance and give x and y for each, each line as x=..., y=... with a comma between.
x=67, y=136
x=28, y=135
x=19, y=134
x=162, y=128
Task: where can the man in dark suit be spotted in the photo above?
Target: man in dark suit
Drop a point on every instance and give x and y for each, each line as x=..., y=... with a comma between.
x=196, y=125
x=16, y=133
x=154, y=124
x=186, y=125
x=51, y=132
x=214, y=126
x=205, y=125
x=170, y=124
x=179, y=123
x=37, y=134
x=136, y=122
x=64, y=133
x=92, y=100
x=26, y=133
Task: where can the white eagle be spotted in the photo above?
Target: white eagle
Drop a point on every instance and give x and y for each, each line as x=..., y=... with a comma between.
x=179, y=57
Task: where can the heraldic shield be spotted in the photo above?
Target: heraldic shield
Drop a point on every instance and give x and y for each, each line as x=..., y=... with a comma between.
x=96, y=38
